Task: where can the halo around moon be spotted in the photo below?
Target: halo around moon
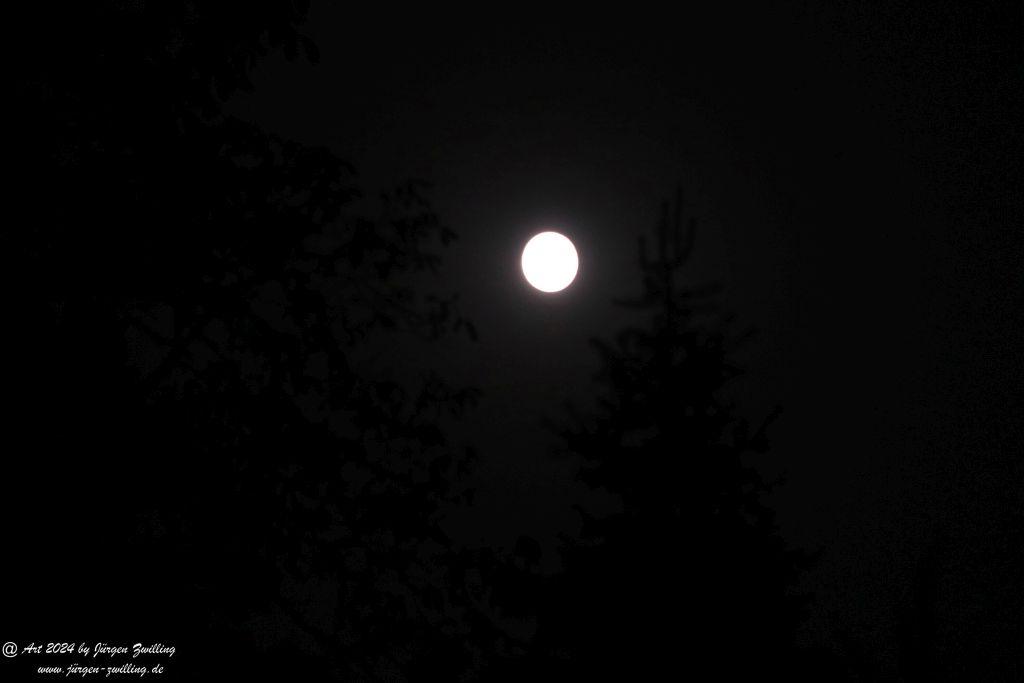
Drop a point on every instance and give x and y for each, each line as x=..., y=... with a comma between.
x=550, y=261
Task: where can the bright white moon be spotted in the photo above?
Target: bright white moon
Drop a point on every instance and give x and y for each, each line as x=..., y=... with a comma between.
x=550, y=261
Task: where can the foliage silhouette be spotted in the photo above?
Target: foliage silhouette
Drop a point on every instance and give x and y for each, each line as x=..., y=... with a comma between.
x=201, y=308
x=689, y=573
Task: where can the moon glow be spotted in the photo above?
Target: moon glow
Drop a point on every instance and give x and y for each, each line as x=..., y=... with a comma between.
x=550, y=261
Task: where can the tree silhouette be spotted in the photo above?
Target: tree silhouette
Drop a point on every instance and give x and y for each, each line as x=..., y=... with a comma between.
x=201, y=312
x=689, y=573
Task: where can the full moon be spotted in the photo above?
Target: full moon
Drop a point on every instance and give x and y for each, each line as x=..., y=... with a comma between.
x=550, y=261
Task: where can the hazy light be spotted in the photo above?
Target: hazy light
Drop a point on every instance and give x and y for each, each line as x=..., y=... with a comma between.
x=550, y=261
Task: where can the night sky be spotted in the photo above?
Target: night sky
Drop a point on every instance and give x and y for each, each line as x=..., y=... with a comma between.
x=856, y=178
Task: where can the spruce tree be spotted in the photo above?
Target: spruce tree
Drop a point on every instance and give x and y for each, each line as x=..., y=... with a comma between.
x=689, y=572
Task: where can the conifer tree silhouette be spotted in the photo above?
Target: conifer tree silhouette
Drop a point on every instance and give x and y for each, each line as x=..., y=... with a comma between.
x=690, y=573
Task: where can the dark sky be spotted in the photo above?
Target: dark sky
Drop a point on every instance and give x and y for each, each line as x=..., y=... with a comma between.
x=857, y=179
